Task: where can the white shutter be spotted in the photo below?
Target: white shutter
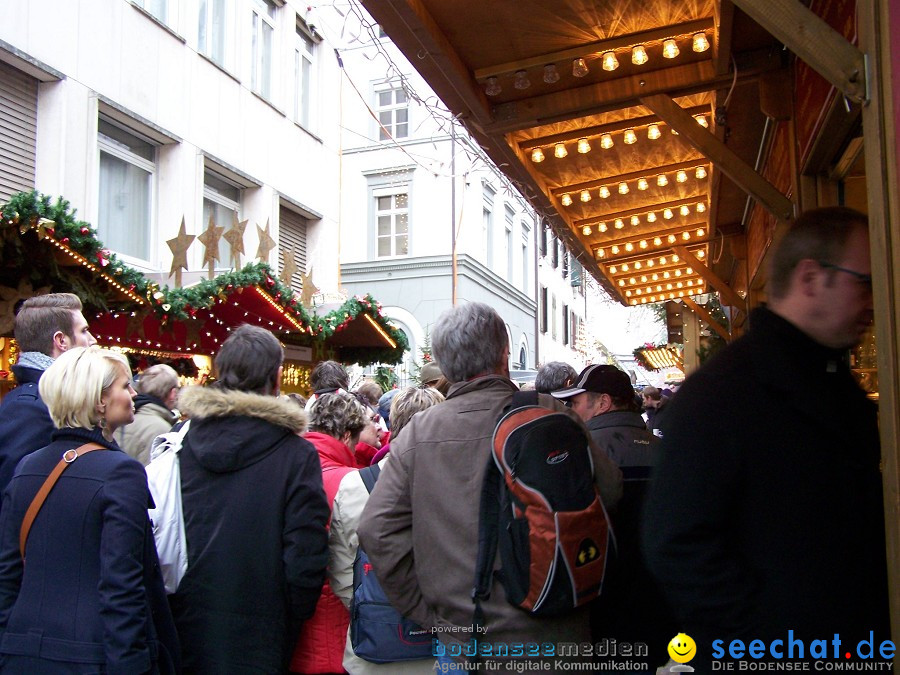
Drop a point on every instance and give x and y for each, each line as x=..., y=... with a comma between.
x=18, y=124
x=292, y=234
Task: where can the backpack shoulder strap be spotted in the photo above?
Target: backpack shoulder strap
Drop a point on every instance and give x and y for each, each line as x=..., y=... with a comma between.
x=369, y=475
x=521, y=399
x=488, y=518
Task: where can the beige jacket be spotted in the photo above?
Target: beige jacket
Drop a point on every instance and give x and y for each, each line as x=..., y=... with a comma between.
x=348, y=506
x=420, y=526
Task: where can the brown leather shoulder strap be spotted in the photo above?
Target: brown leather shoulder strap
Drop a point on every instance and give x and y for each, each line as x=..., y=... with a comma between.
x=68, y=457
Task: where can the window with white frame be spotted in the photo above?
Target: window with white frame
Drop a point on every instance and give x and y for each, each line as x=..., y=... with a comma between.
x=487, y=224
x=158, y=8
x=262, y=36
x=508, y=242
x=391, y=222
x=222, y=203
x=212, y=29
x=127, y=181
x=304, y=60
x=526, y=231
x=392, y=108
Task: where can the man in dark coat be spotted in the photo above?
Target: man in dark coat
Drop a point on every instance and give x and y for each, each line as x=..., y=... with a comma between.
x=766, y=513
x=254, y=515
x=631, y=608
x=46, y=326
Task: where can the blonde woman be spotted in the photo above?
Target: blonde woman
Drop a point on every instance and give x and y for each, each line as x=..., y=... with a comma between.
x=91, y=597
x=342, y=543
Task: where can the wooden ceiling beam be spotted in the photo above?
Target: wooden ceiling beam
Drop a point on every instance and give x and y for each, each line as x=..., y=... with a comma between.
x=729, y=297
x=600, y=129
x=807, y=35
x=649, y=173
x=636, y=212
x=724, y=20
x=637, y=236
x=624, y=92
x=593, y=48
x=630, y=257
x=725, y=159
x=706, y=317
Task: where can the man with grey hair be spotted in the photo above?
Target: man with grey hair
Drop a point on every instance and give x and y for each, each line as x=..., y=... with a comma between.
x=157, y=394
x=554, y=376
x=420, y=526
x=46, y=326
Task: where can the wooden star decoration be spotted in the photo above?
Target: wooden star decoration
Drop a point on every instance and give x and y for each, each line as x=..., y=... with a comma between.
x=289, y=267
x=308, y=290
x=266, y=243
x=179, y=246
x=210, y=239
x=235, y=237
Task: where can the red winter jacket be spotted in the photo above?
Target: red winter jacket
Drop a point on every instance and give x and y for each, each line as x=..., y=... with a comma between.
x=320, y=647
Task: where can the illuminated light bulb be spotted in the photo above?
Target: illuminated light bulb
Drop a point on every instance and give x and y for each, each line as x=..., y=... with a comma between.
x=632, y=281
x=604, y=191
x=680, y=294
x=655, y=277
x=651, y=262
x=619, y=223
x=602, y=227
x=629, y=136
x=521, y=81
x=700, y=43
x=606, y=141
x=635, y=220
x=621, y=282
x=657, y=241
x=612, y=269
x=653, y=132
x=669, y=287
x=627, y=294
x=586, y=230
x=644, y=279
x=623, y=188
x=701, y=232
x=670, y=49
x=666, y=275
x=667, y=214
x=643, y=243
x=537, y=155
x=684, y=210
x=661, y=180
x=600, y=253
x=624, y=267
x=651, y=217
x=689, y=282
x=638, y=291
x=579, y=68
x=492, y=86
x=671, y=238
x=629, y=247
x=701, y=207
x=662, y=260
x=659, y=287
x=701, y=120
x=643, y=301
x=689, y=270
x=583, y=146
x=700, y=172
x=679, y=285
x=677, y=273
x=681, y=176
x=566, y=199
x=701, y=254
x=551, y=74
x=639, y=55
x=585, y=195
x=614, y=249
x=642, y=184
x=560, y=150
x=610, y=62
x=634, y=302
x=637, y=264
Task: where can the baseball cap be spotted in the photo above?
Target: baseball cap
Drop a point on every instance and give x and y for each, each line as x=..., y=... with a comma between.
x=600, y=379
x=430, y=372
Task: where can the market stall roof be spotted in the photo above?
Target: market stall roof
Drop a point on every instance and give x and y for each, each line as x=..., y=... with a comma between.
x=634, y=126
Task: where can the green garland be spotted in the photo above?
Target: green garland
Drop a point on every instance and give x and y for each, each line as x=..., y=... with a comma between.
x=642, y=360
x=25, y=210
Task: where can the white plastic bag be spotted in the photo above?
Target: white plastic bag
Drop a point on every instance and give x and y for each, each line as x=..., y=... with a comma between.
x=164, y=477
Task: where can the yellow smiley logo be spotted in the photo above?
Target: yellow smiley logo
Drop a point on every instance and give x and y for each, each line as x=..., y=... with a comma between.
x=682, y=648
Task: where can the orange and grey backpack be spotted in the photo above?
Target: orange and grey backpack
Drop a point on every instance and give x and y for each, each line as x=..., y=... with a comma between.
x=541, y=509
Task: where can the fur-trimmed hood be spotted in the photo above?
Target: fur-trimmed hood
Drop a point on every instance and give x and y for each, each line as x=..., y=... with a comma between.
x=232, y=429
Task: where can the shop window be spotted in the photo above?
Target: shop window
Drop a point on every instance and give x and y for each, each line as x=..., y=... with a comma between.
x=222, y=203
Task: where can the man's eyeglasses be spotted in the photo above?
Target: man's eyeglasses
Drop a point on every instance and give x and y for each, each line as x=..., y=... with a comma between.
x=859, y=276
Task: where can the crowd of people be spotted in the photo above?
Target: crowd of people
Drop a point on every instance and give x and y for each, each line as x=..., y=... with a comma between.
x=724, y=528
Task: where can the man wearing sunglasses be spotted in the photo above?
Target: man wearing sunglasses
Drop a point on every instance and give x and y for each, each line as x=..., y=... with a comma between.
x=766, y=515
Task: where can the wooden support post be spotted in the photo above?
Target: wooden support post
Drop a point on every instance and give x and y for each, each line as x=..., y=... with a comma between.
x=721, y=156
x=690, y=336
x=814, y=41
x=729, y=297
x=707, y=318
